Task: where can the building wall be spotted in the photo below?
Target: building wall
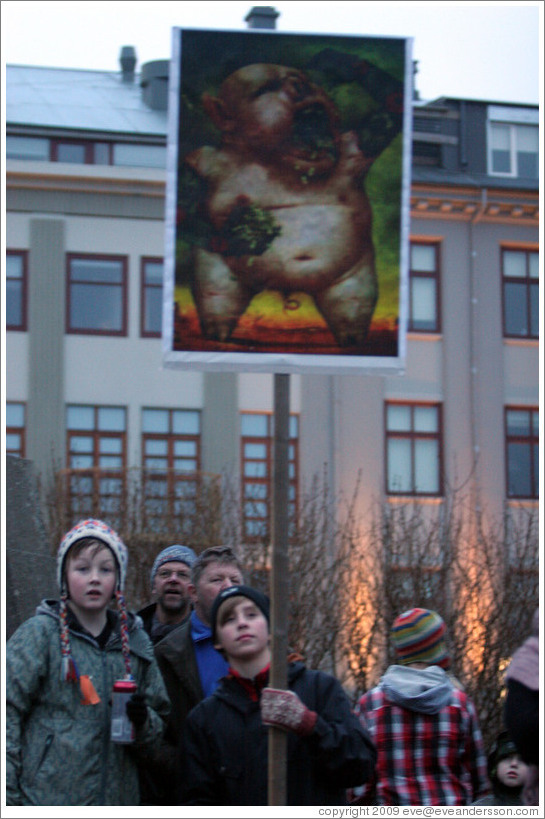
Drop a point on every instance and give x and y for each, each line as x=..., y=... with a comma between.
x=469, y=367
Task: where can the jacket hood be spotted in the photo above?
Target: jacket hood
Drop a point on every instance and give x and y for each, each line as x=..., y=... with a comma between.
x=425, y=691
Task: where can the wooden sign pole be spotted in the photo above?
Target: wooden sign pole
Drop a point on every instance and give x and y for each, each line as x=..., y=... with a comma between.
x=279, y=585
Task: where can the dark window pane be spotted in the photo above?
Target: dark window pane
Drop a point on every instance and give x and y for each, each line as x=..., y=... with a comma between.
x=534, y=310
x=14, y=290
x=18, y=147
x=102, y=153
x=70, y=152
x=519, y=476
x=96, y=308
x=501, y=161
x=14, y=303
x=518, y=423
x=527, y=165
x=516, y=323
x=153, y=273
x=153, y=310
x=96, y=270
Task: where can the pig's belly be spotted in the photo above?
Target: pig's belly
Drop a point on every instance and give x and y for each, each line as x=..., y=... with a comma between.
x=316, y=246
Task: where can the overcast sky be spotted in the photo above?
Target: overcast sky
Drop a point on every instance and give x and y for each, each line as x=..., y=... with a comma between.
x=486, y=50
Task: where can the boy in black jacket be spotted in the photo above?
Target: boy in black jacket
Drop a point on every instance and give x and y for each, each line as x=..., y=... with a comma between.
x=225, y=744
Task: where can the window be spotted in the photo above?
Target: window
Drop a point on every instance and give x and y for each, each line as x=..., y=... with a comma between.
x=79, y=152
x=16, y=290
x=96, y=458
x=424, y=288
x=151, y=297
x=520, y=270
x=413, y=449
x=140, y=156
x=21, y=147
x=85, y=151
x=171, y=458
x=513, y=141
x=426, y=153
x=522, y=452
x=257, y=471
x=15, y=429
x=97, y=295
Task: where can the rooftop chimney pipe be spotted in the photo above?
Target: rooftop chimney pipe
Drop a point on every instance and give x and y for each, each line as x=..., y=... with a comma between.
x=262, y=17
x=127, y=60
x=154, y=84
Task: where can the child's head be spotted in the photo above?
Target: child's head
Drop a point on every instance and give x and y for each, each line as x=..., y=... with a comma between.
x=83, y=535
x=506, y=770
x=418, y=636
x=90, y=574
x=233, y=606
x=91, y=545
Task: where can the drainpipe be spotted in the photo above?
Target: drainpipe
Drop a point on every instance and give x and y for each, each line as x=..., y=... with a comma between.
x=474, y=304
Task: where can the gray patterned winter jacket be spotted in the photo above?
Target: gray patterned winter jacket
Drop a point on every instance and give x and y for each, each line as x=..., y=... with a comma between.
x=58, y=750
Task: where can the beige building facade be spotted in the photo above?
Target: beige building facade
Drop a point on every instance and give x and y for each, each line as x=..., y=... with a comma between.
x=85, y=202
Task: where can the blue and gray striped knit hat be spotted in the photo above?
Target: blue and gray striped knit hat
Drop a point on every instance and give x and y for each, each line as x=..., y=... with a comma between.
x=176, y=553
x=418, y=636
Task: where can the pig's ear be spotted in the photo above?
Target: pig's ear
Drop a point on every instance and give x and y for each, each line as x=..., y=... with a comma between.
x=217, y=111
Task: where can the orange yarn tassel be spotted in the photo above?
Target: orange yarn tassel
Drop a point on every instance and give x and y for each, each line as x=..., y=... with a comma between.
x=90, y=696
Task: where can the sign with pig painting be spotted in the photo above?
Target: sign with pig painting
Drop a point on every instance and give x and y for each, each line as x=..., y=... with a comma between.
x=287, y=202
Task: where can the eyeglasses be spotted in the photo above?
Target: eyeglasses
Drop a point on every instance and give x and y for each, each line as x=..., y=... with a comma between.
x=164, y=574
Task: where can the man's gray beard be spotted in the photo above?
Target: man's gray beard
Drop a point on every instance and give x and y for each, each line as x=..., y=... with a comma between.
x=181, y=605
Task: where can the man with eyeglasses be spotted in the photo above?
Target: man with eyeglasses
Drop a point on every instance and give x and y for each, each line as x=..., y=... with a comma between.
x=190, y=664
x=170, y=579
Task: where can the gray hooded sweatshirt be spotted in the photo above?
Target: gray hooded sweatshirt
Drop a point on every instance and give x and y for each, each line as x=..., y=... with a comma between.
x=423, y=690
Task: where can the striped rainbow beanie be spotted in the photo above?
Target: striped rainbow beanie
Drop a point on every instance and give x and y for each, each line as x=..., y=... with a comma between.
x=418, y=636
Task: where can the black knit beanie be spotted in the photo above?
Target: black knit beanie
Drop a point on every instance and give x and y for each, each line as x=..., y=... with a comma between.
x=261, y=600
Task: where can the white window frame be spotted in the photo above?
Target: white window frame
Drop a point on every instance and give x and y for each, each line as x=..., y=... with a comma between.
x=511, y=118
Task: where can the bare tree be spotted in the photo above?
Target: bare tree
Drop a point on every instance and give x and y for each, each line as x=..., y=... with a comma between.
x=351, y=575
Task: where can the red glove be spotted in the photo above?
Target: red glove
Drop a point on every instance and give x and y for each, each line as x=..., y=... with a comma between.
x=284, y=709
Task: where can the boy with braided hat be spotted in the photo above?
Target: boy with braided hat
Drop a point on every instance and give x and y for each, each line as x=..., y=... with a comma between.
x=429, y=744
x=225, y=745
x=61, y=665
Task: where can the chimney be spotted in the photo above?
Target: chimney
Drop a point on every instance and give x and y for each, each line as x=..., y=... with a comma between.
x=154, y=84
x=127, y=60
x=262, y=17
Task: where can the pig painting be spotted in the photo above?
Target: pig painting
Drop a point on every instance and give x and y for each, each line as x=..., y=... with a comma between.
x=279, y=203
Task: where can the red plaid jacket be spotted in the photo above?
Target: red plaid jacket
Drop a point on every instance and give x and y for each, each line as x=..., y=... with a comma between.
x=424, y=759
